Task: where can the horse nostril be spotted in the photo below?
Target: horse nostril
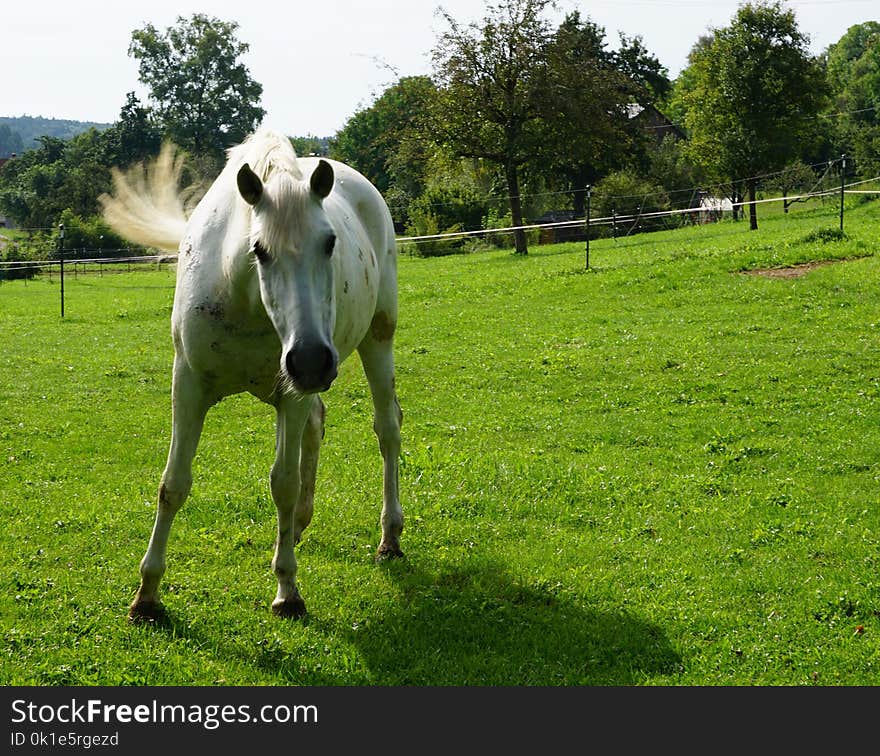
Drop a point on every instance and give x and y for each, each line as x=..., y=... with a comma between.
x=329, y=362
x=311, y=366
x=290, y=364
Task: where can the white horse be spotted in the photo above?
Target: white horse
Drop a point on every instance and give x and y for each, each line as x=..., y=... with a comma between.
x=285, y=267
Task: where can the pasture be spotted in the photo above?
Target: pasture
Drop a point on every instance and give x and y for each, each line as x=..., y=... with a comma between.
x=660, y=471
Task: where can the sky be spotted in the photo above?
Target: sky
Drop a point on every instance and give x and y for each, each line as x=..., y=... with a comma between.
x=319, y=62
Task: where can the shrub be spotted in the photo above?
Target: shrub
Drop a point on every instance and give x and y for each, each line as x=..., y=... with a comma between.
x=91, y=233
x=631, y=198
x=19, y=271
x=445, y=209
x=503, y=239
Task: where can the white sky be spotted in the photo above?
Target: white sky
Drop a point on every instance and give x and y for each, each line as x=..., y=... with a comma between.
x=318, y=62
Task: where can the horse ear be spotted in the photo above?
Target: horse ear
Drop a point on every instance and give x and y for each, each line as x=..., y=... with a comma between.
x=249, y=185
x=322, y=179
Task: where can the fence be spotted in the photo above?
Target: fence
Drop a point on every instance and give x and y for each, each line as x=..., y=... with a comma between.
x=621, y=225
x=82, y=265
x=629, y=221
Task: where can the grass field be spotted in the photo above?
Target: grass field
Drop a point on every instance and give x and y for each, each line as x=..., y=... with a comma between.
x=660, y=471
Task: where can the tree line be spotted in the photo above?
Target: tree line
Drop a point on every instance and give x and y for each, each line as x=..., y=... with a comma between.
x=518, y=117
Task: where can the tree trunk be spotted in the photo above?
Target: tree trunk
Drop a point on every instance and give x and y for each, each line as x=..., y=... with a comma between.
x=519, y=236
x=753, y=208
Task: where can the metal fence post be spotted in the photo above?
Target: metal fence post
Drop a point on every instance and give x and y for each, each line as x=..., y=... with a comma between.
x=61, y=261
x=842, y=186
x=588, y=229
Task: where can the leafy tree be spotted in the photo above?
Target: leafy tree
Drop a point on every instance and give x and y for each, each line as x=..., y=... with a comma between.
x=84, y=173
x=203, y=95
x=493, y=79
x=635, y=61
x=756, y=94
x=135, y=136
x=388, y=141
x=36, y=188
x=30, y=185
x=309, y=145
x=853, y=65
x=587, y=127
x=540, y=103
x=845, y=55
x=677, y=101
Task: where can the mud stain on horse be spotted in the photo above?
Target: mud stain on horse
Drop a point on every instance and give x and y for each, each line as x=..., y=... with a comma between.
x=382, y=327
x=211, y=309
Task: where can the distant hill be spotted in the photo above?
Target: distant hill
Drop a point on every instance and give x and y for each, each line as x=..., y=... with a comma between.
x=20, y=134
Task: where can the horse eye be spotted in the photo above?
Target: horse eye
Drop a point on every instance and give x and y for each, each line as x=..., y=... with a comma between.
x=329, y=245
x=260, y=253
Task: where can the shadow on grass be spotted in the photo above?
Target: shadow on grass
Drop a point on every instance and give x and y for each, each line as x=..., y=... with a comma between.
x=477, y=626
x=469, y=625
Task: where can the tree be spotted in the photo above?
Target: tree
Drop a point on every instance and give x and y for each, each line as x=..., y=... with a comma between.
x=853, y=65
x=492, y=81
x=30, y=185
x=755, y=97
x=635, y=61
x=389, y=140
x=542, y=104
x=589, y=90
x=37, y=187
x=203, y=95
x=844, y=56
x=679, y=97
x=135, y=136
x=310, y=145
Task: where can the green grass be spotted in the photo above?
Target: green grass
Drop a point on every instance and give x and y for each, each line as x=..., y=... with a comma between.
x=659, y=471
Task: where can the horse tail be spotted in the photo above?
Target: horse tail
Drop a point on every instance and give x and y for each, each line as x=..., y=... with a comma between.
x=147, y=205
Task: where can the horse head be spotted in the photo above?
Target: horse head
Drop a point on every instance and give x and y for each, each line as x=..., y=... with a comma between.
x=292, y=242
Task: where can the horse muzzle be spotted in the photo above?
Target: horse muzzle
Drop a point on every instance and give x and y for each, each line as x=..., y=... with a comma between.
x=312, y=366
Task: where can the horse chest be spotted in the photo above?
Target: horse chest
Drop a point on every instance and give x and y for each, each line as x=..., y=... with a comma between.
x=231, y=352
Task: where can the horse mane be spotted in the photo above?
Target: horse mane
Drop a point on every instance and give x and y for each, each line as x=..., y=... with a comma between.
x=272, y=157
x=266, y=151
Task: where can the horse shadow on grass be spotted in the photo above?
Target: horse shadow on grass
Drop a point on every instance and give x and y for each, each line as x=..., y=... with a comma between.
x=475, y=625
x=472, y=625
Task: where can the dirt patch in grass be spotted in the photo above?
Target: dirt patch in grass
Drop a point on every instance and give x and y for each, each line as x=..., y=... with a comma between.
x=792, y=271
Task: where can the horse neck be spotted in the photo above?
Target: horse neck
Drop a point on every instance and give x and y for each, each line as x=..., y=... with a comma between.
x=234, y=265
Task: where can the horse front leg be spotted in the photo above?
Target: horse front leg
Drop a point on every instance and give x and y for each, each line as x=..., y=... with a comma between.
x=378, y=360
x=292, y=414
x=313, y=433
x=189, y=405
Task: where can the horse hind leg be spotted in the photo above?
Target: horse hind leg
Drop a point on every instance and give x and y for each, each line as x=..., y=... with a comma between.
x=313, y=433
x=189, y=407
x=378, y=360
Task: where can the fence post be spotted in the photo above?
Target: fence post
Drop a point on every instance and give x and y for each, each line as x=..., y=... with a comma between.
x=588, y=229
x=61, y=261
x=842, y=186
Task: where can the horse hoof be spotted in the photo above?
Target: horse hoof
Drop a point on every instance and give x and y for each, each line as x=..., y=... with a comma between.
x=146, y=611
x=289, y=608
x=387, y=552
